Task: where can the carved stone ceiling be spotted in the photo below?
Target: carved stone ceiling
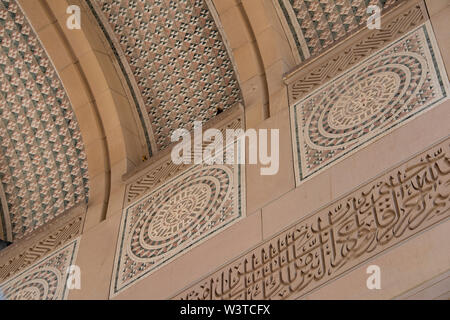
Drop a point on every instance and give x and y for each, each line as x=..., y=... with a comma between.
x=383, y=92
x=177, y=64
x=43, y=166
x=315, y=25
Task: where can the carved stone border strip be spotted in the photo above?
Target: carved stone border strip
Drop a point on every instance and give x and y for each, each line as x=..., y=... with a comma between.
x=42, y=242
x=162, y=168
x=334, y=62
x=293, y=33
x=385, y=212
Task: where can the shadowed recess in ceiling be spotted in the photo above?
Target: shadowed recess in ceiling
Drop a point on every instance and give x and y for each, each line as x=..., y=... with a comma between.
x=176, y=63
x=43, y=166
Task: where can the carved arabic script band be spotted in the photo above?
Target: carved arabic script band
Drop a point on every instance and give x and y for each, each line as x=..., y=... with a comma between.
x=384, y=212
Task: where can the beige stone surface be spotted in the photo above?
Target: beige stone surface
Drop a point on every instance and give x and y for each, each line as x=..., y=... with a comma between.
x=261, y=52
x=223, y=6
x=237, y=32
x=436, y=6
x=440, y=22
x=279, y=101
x=75, y=85
x=247, y=60
x=264, y=189
x=254, y=91
x=55, y=46
x=437, y=288
x=255, y=114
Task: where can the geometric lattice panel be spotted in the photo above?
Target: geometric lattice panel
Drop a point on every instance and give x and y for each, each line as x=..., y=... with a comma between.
x=176, y=217
x=315, y=25
x=45, y=280
x=43, y=166
x=177, y=60
x=383, y=92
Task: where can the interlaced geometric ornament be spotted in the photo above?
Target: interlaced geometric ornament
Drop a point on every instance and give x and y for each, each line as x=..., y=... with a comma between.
x=43, y=165
x=46, y=279
x=174, y=218
x=370, y=100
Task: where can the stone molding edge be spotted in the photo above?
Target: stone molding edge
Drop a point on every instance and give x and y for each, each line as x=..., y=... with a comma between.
x=428, y=289
x=272, y=268
x=124, y=70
